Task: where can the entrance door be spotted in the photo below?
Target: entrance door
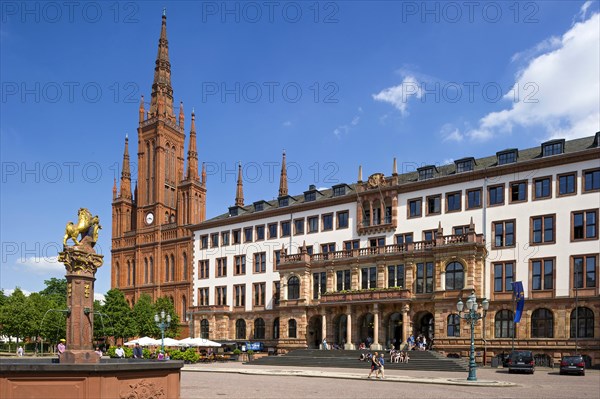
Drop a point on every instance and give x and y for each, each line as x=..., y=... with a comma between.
x=314, y=332
x=395, y=336
x=425, y=327
x=367, y=329
x=339, y=329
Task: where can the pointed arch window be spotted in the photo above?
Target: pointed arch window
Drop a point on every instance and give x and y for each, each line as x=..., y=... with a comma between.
x=145, y=270
x=172, y=268
x=185, y=266
x=184, y=308
x=128, y=273
x=167, y=268
x=118, y=274
x=151, y=270
x=204, y=329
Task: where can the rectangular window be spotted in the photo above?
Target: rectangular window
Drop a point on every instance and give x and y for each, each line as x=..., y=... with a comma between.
x=221, y=267
x=329, y=247
x=585, y=271
x=434, y=205
x=553, y=148
x=313, y=224
x=353, y=244
x=240, y=265
x=240, y=295
x=339, y=190
x=460, y=230
x=415, y=207
x=425, y=173
x=259, y=294
x=368, y=277
x=429, y=235
x=542, y=274
x=214, y=240
x=260, y=232
x=503, y=276
x=203, y=296
x=396, y=276
x=276, y=259
x=299, y=226
x=204, y=241
x=328, y=222
x=518, y=191
x=405, y=238
x=424, y=283
x=225, y=238
x=259, y=206
x=342, y=219
x=309, y=249
x=464, y=166
x=276, y=292
x=591, y=180
x=284, y=201
x=453, y=202
x=319, y=284
x=310, y=196
x=203, y=266
x=542, y=188
x=236, y=236
x=260, y=262
x=221, y=296
x=377, y=242
x=342, y=278
x=496, y=195
x=567, y=184
x=272, y=230
x=542, y=230
x=507, y=157
x=285, y=228
x=248, y=234
x=474, y=198
x=504, y=233
x=584, y=225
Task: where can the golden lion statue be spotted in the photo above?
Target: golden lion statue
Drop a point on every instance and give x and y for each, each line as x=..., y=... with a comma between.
x=87, y=225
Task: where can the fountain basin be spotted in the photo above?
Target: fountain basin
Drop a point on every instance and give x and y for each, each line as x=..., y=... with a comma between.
x=111, y=378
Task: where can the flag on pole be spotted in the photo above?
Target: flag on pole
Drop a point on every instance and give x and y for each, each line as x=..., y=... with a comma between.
x=519, y=297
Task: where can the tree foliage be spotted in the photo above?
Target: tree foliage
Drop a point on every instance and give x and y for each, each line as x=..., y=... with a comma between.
x=143, y=313
x=165, y=303
x=119, y=314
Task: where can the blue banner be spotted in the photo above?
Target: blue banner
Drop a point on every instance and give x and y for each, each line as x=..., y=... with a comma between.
x=519, y=296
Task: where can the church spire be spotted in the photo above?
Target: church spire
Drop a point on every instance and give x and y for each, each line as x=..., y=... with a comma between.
x=192, y=158
x=203, y=173
x=125, y=173
x=283, y=187
x=115, y=189
x=161, y=102
x=239, y=194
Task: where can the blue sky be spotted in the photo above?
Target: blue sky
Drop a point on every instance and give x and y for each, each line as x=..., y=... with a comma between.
x=335, y=84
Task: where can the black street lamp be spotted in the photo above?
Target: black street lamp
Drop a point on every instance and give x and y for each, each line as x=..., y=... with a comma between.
x=163, y=323
x=472, y=316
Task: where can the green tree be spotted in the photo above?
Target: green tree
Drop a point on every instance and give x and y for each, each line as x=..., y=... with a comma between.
x=143, y=313
x=119, y=314
x=55, y=288
x=165, y=303
x=16, y=317
x=101, y=323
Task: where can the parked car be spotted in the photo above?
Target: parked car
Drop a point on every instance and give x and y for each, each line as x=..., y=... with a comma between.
x=521, y=361
x=572, y=364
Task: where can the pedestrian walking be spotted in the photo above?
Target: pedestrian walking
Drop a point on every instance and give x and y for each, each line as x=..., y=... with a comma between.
x=380, y=371
x=20, y=351
x=374, y=364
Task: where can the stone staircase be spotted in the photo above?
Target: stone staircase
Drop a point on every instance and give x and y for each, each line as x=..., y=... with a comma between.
x=419, y=360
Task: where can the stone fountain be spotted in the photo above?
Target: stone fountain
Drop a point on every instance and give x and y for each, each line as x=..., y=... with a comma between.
x=80, y=373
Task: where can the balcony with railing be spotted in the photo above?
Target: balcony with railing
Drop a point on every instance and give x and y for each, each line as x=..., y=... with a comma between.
x=417, y=247
x=381, y=295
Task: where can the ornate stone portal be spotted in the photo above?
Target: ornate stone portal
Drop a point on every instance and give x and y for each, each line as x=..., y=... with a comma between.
x=81, y=262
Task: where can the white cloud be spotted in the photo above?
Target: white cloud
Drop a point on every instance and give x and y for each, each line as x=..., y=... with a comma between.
x=556, y=91
x=583, y=10
x=399, y=95
x=542, y=47
x=10, y=291
x=345, y=129
x=41, y=265
x=451, y=133
x=99, y=297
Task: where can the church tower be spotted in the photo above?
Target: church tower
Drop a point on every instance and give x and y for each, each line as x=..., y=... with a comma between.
x=152, y=242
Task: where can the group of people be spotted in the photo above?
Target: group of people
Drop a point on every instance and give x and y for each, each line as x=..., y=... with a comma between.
x=420, y=343
x=377, y=362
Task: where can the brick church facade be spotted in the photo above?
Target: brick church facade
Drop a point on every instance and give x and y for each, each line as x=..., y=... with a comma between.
x=151, y=240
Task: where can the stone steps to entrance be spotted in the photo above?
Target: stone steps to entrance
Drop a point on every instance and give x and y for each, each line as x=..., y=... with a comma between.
x=419, y=360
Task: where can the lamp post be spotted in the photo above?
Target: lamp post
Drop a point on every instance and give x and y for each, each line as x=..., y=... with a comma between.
x=472, y=316
x=163, y=323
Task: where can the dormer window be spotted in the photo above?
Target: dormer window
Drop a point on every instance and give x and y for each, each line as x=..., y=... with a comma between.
x=233, y=211
x=259, y=206
x=507, y=156
x=310, y=196
x=465, y=165
x=426, y=172
x=284, y=201
x=339, y=190
x=554, y=147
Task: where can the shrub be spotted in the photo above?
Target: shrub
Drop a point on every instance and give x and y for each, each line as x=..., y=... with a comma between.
x=191, y=356
x=146, y=353
x=177, y=355
x=250, y=352
x=237, y=352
